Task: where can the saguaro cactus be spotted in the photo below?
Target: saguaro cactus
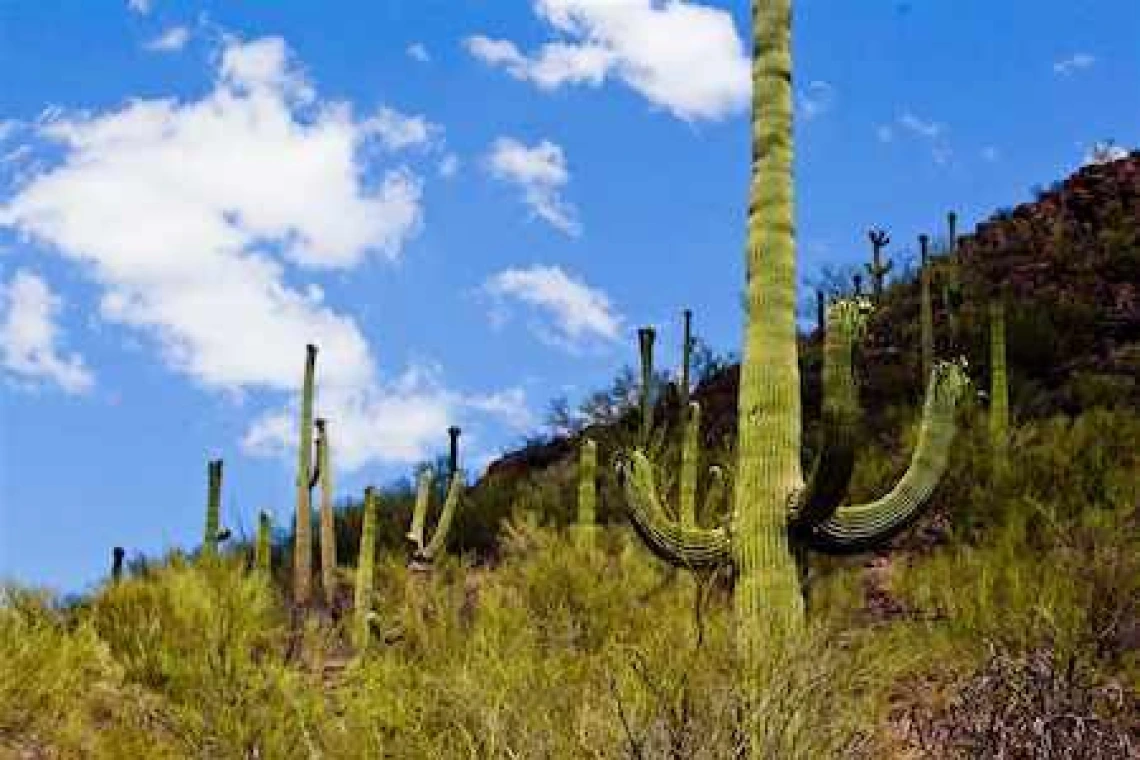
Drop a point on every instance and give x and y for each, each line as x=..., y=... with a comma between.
x=423, y=554
x=362, y=601
x=999, y=390
x=587, y=491
x=878, y=269
x=327, y=516
x=858, y=280
x=926, y=310
x=686, y=353
x=213, y=508
x=262, y=557
x=773, y=503
x=645, y=342
x=302, y=531
x=117, y=555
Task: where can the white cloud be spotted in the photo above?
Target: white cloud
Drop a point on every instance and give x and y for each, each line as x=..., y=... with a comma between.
x=1075, y=62
x=189, y=215
x=683, y=57
x=417, y=52
x=541, y=172
x=928, y=129
x=173, y=39
x=817, y=99
x=139, y=6
x=449, y=165
x=577, y=311
x=29, y=333
x=397, y=131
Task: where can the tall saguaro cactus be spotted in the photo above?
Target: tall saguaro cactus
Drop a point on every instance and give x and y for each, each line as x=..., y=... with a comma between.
x=262, y=557
x=213, y=508
x=362, y=600
x=773, y=503
x=926, y=309
x=327, y=516
x=686, y=354
x=117, y=555
x=999, y=390
x=645, y=342
x=587, y=491
x=878, y=269
x=302, y=532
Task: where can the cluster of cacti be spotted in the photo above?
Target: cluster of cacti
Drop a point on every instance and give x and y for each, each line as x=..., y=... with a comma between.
x=774, y=505
x=424, y=553
x=878, y=269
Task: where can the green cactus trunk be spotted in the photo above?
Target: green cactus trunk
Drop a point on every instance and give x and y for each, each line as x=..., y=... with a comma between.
x=686, y=352
x=327, y=516
x=926, y=314
x=999, y=391
x=587, y=492
x=213, y=508
x=262, y=557
x=362, y=605
x=302, y=536
x=690, y=455
x=769, y=475
x=117, y=555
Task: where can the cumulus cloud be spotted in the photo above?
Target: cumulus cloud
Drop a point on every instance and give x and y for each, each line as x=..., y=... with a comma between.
x=190, y=216
x=680, y=56
x=1075, y=62
x=172, y=40
x=574, y=312
x=398, y=131
x=541, y=173
x=29, y=336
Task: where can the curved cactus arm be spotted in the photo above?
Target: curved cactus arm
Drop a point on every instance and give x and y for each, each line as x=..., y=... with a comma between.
x=676, y=544
x=436, y=545
x=831, y=472
x=415, y=534
x=859, y=527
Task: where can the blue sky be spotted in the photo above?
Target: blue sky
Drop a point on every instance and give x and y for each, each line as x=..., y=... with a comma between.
x=470, y=206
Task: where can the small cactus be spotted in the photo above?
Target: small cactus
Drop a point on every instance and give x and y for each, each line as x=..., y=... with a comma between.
x=926, y=310
x=212, y=532
x=587, y=491
x=686, y=352
x=645, y=341
x=262, y=556
x=362, y=603
x=424, y=554
x=117, y=555
x=878, y=269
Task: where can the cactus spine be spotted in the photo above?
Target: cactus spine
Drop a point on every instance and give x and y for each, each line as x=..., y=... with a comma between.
x=769, y=482
x=877, y=268
x=262, y=557
x=999, y=390
x=587, y=491
x=213, y=508
x=302, y=532
x=327, y=516
x=926, y=315
x=362, y=602
x=645, y=341
x=117, y=555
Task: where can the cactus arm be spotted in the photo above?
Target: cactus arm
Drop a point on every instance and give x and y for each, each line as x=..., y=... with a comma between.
x=362, y=601
x=860, y=527
x=440, y=536
x=676, y=544
x=690, y=452
x=831, y=472
x=419, y=513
